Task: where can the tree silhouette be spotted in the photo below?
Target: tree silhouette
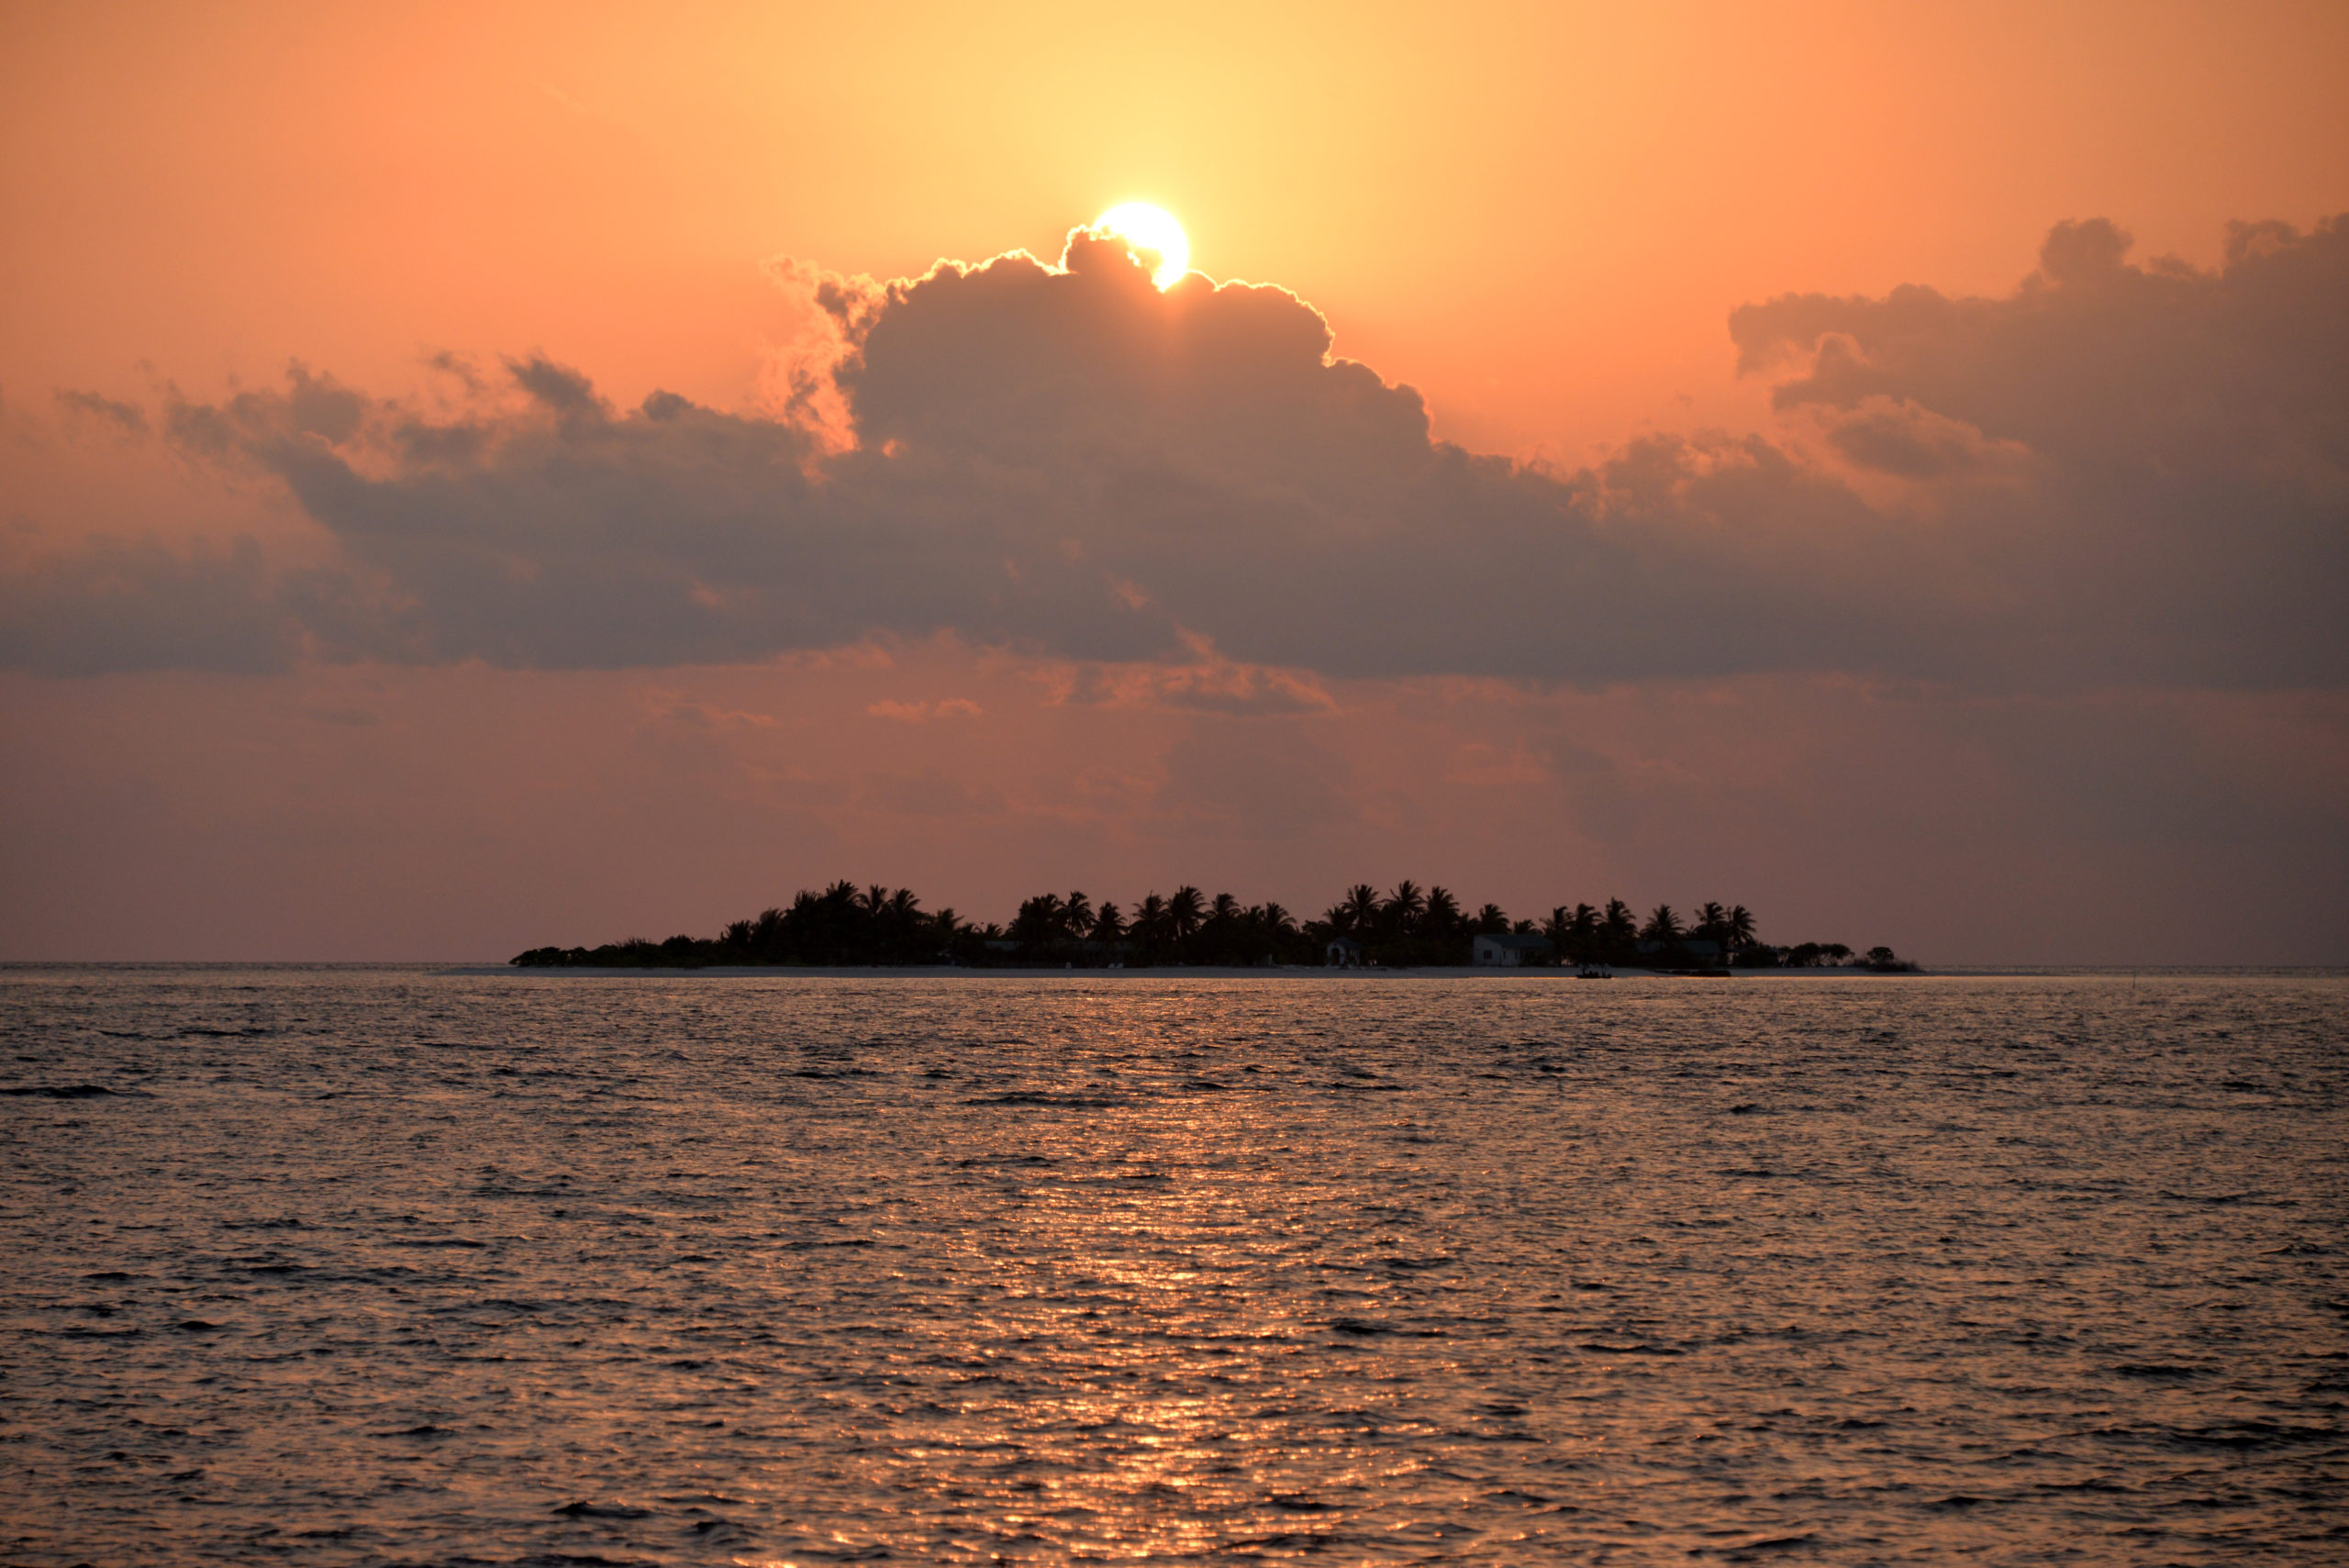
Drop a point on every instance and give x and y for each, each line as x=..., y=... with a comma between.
x=1403, y=907
x=845, y=924
x=1442, y=916
x=1583, y=936
x=1041, y=918
x=1152, y=927
x=1182, y=912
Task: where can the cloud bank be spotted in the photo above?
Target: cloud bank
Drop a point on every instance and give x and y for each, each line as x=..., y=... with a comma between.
x=2117, y=475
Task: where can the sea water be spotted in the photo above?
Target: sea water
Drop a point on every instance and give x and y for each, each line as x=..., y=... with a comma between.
x=341, y=1266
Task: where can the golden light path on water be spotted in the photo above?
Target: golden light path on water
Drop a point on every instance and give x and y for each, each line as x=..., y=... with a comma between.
x=390, y=1266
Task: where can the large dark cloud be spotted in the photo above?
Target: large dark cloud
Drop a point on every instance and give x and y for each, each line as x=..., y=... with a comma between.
x=2117, y=475
x=2182, y=509
x=112, y=606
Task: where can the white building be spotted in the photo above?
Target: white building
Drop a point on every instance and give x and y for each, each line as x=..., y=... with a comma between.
x=1511, y=951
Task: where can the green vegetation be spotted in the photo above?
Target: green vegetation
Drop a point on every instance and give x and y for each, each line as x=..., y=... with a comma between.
x=848, y=926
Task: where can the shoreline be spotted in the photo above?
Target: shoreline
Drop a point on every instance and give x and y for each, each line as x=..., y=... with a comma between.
x=1165, y=972
x=1158, y=972
x=485, y=968
x=1453, y=971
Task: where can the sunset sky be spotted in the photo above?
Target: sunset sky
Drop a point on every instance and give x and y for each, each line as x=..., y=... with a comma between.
x=485, y=476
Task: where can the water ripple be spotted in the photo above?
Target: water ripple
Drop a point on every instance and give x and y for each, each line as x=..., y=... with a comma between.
x=389, y=1266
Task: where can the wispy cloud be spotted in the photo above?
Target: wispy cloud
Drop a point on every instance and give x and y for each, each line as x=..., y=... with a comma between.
x=925, y=712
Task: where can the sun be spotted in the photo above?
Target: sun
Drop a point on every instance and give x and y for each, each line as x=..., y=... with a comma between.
x=1146, y=228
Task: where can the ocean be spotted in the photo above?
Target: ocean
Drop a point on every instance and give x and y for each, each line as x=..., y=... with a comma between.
x=395, y=1265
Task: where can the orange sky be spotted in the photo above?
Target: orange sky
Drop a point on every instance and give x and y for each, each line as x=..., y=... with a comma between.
x=1540, y=215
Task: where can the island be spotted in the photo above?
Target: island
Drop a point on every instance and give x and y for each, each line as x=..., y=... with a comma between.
x=845, y=926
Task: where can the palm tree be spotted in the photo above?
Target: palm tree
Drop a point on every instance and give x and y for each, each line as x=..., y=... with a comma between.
x=1740, y=924
x=1150, y=920
x=1218, y=931
x=834, y=922
x=1183, y=911
x=1361, y=904
x=1443, y=913
x=1713, y=924
x=889, y=924
x=1617, y=925
x=1339, y=918
x=1276, y=920
x=1559, y=927
x=1041, y=918
x=1250, y=938
x=1404, y=907
x=1107, y=924
x=1076, y=915
x=1664, y=925
x=1492, y=921
x=1583, y=935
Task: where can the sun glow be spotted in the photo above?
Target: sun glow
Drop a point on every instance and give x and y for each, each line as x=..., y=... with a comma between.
x=1152, y=229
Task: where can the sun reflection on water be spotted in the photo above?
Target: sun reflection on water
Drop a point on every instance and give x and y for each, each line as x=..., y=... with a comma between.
x=1168, y=1360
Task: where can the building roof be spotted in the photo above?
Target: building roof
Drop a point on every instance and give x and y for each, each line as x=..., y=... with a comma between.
x=1524, y=941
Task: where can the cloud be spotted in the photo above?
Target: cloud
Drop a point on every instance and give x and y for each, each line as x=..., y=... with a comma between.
x=1204, y=683
x=924, y=712
x=112, y=606
x=2114, y=475
x=676, y=707
x=127, y=419
x=1485, y=765
x=2186, y=514
x=1904, y=440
